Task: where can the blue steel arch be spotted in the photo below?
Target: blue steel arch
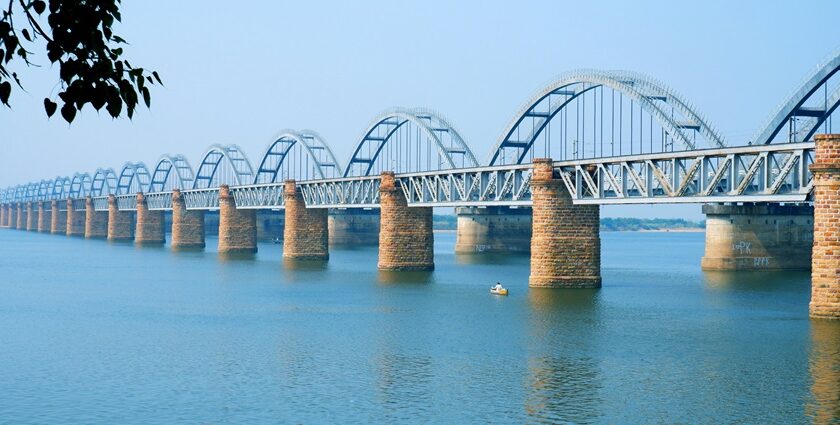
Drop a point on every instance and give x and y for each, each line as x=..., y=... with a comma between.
x=794, y=107
x=237, y=171
x=652, y=97
x=80, y=185
x=278, y=157
x=45, y=190
x=134, y=177
x=32, y=191
x=104, y=182
x=431, y=123
x=60, y=188
x=20, y=192
x=163, y=177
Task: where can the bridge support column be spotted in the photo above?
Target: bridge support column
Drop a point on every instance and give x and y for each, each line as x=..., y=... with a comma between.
x=58, y=219
x=237, y=228
x=4, y=214
x=75, y=220
x=758, y=237
x=150, y=230
x=406, y=241
x=44, y=216
x=187, y=225
x=493, y=229
x=20, y=223
x=353, y=227
x=825, y=268
x=31, y=216
x=566, y=244
x=96, y=222
x=305, y=234
x=120, y=223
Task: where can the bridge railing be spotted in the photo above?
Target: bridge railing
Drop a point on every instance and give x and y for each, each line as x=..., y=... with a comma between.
x=79, y=204
x=201, y=199
x=490, y=186
x=356, y=192
x=126, y=202
x=159, y=201
x=258, y=196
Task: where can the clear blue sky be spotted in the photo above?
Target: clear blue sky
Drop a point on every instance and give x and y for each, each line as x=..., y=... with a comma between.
x=238, y=72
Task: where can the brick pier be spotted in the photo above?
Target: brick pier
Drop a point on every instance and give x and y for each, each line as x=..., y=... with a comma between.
x=75, y=221
x=825, y=259
x=44, y=216
x=187, y=226
x=31, y=217
x=58, y=219
x=150, y=225
x=566, y=244
x=12, y=219
x=4, y=214
x=120, y=223
x=305, y=235
x=406, y=241
x=96, y=222
x=237, y=228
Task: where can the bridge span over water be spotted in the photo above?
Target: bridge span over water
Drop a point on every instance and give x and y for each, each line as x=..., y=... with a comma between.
x=614, y=137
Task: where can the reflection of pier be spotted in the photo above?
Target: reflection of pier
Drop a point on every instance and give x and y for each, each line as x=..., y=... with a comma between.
x=824, y=408
x=635, y=142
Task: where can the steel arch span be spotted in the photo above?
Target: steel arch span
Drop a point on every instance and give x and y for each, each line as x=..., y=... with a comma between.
x=32, y=191
x=164, y=179
x=60, y=188
x=45, y=189
x=80, y=185
x=104, y=182
x=223, y=165
x=806, y=109
x=299, y=155
x=134, y=177
x=603, y=114
x=409, y=140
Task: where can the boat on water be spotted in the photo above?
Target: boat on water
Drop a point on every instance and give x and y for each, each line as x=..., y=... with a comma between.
x=498, y=290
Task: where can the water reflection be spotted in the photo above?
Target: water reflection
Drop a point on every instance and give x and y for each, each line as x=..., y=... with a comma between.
x=492, y=258
x=389, y=277
x=404, y=385
x=824, y=366
x=753, y=281
x=564, y=381
x=304, y=265
x=237, y=256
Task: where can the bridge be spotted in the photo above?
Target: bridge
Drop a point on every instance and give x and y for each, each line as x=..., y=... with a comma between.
x=588, y=138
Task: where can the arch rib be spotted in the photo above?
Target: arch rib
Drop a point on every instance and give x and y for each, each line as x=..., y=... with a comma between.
x=242, y=171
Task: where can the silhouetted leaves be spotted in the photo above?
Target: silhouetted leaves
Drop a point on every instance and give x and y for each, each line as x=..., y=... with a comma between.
x=79, y=37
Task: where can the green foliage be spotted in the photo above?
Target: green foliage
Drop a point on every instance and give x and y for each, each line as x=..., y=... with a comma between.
x=618, y=224
x=81, y=40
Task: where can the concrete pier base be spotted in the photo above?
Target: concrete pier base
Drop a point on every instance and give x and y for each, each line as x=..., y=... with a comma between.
x=58, y=219
x=566, y=244
x=31, y=216
x=353, y=227
x=75, y=220
x=493, y=229
x=187, y=226
x=96, y=222
x=20, y=222
x=120, y=223
x=237, y=228
x=150, y=229
x=825, y=263
x=305, y=235
x=758, y=237
x=406, y=241
x=44, y=216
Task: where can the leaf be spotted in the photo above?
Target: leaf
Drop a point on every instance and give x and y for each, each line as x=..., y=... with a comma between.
x=26, y=35
x=114, y=106
x=5, y=92
x=49, y=106
x=68, y=112
x=146, y=96
x=39, y=6
x=157, y=77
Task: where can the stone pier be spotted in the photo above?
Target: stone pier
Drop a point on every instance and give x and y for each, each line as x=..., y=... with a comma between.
x=305, y=235
x=75, y=220
x=150, y=228
x=120, y=223
x=187, y=226
x=825, y=263
x=566, y=244
x=44, y=216
x=237, y=228
x=353, y=227
x=406, y=241
x=493, y=229
x=58, y=221
x=11, y=219
x=20, y=223
x=758, y=237
x=31, y=216
x=4, y=214
x=96, y=222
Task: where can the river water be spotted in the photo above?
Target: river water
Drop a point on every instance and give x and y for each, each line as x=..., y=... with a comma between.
x=97, y=332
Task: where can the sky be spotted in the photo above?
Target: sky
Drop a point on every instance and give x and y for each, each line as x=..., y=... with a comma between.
x=239, y=72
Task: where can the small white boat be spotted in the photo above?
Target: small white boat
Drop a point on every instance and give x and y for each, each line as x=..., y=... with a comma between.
x=499, y=291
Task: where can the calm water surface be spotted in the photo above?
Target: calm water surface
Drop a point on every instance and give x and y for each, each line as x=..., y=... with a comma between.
x=95, y=332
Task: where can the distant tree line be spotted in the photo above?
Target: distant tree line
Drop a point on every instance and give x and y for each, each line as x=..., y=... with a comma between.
x=449, y=222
